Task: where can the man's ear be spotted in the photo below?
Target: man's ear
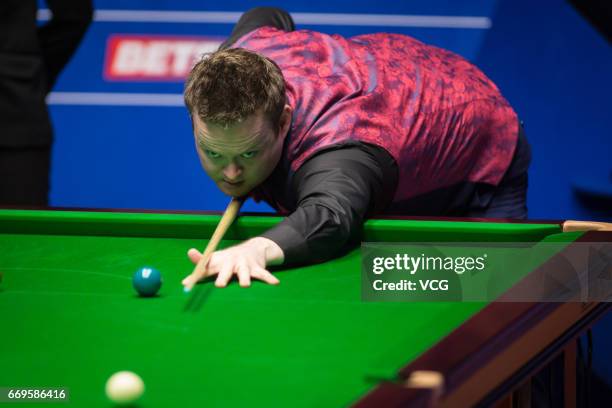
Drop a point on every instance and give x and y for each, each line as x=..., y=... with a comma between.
x=285, y=121
x=192, y=122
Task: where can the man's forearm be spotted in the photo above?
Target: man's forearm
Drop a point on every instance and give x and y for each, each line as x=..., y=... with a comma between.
x=335, y=191
x=314, y=233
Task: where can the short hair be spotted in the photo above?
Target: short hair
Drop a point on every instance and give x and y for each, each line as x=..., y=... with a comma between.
x=227, y=86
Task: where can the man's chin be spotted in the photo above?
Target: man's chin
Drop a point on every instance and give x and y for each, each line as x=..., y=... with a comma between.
x=235, y=195
x=238, y=192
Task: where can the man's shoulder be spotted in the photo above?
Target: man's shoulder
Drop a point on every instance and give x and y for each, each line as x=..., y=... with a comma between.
x=273, y=37
x=260, y=33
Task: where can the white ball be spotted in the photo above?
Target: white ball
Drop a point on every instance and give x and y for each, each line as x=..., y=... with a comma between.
x=124, y=387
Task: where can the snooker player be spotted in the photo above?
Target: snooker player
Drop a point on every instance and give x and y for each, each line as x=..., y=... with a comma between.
x=331, y=130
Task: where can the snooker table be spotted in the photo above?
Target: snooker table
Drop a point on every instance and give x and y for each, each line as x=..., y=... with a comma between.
x=70, y=318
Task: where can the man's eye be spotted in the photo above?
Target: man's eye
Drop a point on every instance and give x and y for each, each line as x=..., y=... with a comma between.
x=211, y=154
x=249, y=155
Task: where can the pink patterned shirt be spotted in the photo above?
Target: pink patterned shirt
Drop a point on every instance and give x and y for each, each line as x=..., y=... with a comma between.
x=440, y=117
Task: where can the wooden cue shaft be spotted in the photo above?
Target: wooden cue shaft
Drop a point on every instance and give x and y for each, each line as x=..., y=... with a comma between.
x=230, y=214
x=570, y=225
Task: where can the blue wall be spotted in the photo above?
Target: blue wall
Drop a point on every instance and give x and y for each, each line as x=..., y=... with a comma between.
x=555, y=70
x=547, y=60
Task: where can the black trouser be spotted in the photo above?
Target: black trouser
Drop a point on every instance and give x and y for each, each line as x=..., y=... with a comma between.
x=24, y=176
x=509, y=198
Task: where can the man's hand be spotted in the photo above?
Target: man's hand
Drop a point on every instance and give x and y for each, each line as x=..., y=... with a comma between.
x=247, y=260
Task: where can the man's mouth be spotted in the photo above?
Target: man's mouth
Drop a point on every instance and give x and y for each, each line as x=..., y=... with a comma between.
x=233, y=183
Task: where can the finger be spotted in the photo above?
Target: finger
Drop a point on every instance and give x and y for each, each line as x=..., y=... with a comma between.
x=225, y=275
x=191, y=278
x=264, y=275
x=244, y=277
x=194, y=255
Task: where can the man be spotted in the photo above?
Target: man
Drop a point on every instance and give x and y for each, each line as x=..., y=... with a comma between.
x=330, y=131
x=31, y=58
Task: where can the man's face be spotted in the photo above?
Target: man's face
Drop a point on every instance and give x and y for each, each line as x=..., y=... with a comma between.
x=241, y=156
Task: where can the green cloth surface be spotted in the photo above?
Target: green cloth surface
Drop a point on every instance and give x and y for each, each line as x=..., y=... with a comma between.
x=70, y=317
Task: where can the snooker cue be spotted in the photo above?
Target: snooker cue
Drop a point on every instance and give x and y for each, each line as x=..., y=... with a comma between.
x=230, y=214
x=571, y=225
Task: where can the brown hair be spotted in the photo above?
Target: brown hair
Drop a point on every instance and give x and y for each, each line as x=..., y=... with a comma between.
x=229, y=85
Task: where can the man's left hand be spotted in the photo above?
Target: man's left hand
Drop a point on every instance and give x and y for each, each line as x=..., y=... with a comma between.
x=247, y=260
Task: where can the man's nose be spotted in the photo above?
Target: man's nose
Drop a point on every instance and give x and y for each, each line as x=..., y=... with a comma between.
x=232, y=172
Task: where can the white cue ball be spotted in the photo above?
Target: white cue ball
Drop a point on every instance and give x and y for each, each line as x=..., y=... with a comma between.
x=124, y=387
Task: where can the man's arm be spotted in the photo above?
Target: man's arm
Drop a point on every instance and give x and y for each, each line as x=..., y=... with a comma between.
x=259, y=17
x=60, y=37
x=336, y=189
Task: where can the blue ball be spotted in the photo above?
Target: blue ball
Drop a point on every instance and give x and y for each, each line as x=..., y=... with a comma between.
x=147, y=281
